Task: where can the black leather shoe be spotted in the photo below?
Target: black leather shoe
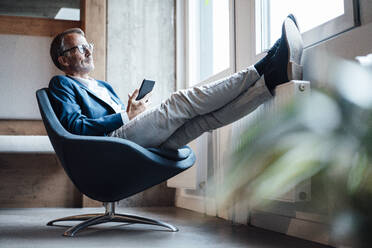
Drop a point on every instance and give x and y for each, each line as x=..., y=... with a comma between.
x=273, y=49
x=284, y=65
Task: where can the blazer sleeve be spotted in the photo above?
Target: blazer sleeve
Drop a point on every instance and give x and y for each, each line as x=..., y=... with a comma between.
x=64, y=100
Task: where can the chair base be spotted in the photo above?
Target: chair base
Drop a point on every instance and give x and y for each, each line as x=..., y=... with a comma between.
x=109, y=216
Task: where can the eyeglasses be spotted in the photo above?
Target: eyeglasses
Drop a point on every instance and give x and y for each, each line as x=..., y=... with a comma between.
x=82, y=48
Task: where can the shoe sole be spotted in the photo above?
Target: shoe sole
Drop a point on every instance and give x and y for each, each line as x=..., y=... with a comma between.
x=295, y=47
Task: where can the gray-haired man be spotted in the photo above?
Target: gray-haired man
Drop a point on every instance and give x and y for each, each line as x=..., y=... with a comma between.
x=90, y=107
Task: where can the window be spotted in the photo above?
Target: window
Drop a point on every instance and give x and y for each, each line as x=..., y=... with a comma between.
x=205, y=52
x=318, y=19
x=209, y=45
x=62, y=9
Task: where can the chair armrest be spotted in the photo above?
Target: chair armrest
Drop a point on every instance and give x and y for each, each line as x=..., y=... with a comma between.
x=176, y=155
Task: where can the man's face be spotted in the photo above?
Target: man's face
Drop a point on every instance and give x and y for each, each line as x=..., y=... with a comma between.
x=75, y=60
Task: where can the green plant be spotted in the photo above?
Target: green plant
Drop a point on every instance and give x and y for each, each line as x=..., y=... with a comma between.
x=330, y=131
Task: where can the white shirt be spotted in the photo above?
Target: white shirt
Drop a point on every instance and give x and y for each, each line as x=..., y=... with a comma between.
x=103, y=94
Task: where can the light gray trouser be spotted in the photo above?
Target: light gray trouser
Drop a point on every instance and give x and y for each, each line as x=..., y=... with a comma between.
x=187, y=114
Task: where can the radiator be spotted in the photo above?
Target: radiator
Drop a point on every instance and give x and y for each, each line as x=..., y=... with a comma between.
x=283, y=94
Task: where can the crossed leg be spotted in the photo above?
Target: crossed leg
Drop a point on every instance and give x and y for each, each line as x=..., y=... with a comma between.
x=218, y=103
x=244, y=104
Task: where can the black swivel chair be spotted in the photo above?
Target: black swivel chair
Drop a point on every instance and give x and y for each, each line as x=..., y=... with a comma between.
x=109, y=169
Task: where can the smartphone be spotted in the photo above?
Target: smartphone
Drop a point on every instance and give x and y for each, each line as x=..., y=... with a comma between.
x=146, y=87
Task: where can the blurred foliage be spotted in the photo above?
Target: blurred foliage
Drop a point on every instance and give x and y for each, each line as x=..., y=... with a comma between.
x=329, y=131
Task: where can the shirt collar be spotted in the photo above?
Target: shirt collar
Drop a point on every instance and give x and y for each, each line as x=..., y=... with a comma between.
x=87, y=82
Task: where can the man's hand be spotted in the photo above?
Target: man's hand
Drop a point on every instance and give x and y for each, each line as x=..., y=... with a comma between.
x=134, y=107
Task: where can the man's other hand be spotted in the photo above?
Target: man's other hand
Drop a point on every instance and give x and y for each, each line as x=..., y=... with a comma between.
x=134, y=107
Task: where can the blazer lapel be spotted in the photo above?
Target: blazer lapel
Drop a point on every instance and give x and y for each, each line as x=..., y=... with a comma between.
x=92, y=93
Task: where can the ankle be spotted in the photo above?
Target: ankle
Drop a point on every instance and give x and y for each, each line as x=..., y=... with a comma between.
x=260, y=65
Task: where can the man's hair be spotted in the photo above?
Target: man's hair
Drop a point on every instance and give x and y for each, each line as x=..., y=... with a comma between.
x=57, y=46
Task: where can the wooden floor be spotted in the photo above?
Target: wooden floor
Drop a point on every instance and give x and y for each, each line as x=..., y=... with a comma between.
x=26, y=228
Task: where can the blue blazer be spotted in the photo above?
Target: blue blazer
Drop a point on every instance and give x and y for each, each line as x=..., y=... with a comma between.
x=80, y=111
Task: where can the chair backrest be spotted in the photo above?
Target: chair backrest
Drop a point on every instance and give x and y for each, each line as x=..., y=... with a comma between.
x=56, y=132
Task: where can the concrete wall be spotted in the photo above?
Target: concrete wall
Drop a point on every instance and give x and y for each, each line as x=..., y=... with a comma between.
x=141, y=44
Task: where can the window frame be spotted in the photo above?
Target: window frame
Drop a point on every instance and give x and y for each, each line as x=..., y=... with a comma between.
x=210, y=140
x=182, y=46
x=39, y=26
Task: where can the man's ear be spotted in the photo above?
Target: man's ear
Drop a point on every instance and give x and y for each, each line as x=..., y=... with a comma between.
x=63, y=61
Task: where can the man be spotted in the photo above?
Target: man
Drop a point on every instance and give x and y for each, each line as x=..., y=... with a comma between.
x=87, y=106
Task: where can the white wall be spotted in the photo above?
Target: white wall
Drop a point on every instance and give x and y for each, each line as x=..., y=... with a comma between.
x=25, y=66
x=355, y=42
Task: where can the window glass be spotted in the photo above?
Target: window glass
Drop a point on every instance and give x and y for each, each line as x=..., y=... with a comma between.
x=56, y=9
x=208, y=38
x=309, y=13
